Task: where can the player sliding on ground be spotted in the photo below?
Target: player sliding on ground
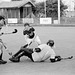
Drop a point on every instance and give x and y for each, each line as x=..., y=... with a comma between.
x=39, y=54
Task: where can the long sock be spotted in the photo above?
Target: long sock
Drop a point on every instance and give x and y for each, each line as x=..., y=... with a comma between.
x=25, y=53
x=17, y=53
x=20, y=55
x=21, y=50
x=1, y=56
x=25, y=50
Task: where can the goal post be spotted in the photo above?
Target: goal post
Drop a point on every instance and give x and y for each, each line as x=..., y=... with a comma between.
x=58, y=11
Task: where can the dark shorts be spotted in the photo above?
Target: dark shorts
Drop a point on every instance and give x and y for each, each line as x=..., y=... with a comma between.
x=28, y=52
x=29, y=55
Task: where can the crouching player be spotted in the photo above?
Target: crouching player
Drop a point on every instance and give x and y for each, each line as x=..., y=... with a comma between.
x=39, y=54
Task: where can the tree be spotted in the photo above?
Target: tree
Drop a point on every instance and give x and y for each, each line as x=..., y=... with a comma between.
x=51, y=8
x=40, y=7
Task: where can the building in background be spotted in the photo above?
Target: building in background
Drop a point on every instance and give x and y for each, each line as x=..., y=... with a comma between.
x=17, y=9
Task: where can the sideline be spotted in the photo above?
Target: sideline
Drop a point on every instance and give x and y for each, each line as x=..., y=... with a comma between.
x=52, y=25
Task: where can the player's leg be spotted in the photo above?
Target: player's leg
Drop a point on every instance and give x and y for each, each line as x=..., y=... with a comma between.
x=26, y=52
x=17, y=53
x=1, y=54
x=16, y=58
x=23, y=52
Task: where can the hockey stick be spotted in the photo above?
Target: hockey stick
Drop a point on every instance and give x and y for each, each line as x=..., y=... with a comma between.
x=15, y=31
x=67, y=58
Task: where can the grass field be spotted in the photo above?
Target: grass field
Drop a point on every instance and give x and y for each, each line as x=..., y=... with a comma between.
x=64, y=38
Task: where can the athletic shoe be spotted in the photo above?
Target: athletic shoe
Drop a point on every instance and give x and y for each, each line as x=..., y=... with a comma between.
x=14, y=59
x=3, y=62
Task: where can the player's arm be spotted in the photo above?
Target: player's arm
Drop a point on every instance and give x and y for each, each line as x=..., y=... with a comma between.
x=3, y=43
x=57, y=58
x=25, y=32
x=37, y=50
x=37, y=39
x=27, y=42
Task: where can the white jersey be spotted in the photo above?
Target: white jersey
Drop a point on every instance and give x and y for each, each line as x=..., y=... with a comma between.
x=35, y=39
x=46, y=52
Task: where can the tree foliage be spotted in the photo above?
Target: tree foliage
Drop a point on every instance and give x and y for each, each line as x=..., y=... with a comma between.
x=51, y=8
x=40, y=7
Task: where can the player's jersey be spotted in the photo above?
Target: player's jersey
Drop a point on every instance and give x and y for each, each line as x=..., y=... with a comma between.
x=34, y=39
x=46, y=52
